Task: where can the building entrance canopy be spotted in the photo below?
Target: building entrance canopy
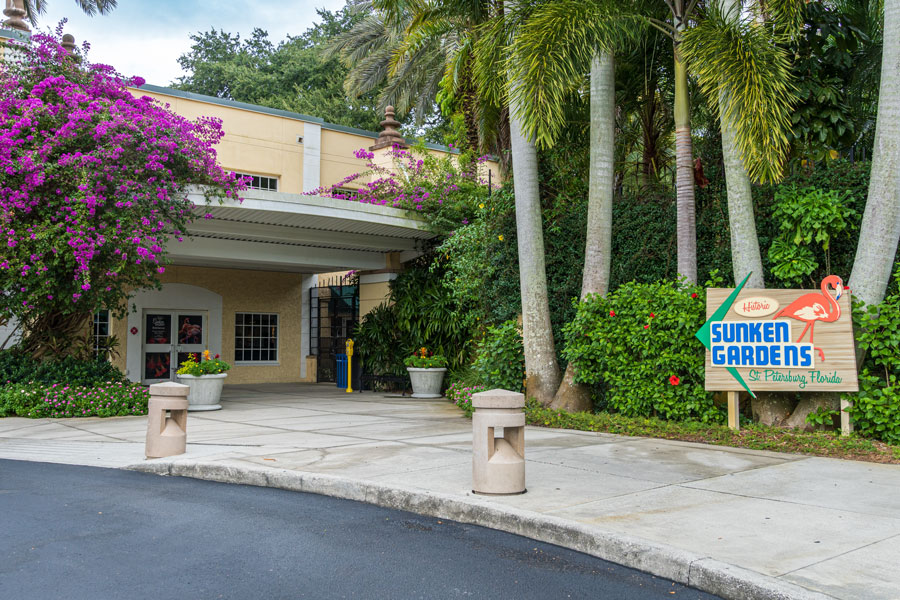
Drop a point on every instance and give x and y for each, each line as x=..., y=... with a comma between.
x=277, y=231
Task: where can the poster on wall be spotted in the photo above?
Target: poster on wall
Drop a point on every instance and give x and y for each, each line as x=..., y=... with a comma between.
x=780, y=340
x=157, y=365
x=159, y=329
x=190, y=329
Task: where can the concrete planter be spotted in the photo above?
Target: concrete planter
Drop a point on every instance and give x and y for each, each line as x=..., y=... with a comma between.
x=205, y=390
x=426, y=383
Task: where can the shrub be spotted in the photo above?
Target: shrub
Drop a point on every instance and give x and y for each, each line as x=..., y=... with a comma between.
x=418, y=313
x=875, y=409
x=461, y=395
x=636, y=346
x=807, y=216
x=501, y=358
x=17, y=367
x=36, y=400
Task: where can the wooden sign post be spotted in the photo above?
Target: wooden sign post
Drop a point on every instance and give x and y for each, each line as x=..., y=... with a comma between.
x=779, y=341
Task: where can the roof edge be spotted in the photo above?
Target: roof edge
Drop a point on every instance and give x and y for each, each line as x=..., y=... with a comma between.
x=168, y=91
x=12, y=34
x=231, y=103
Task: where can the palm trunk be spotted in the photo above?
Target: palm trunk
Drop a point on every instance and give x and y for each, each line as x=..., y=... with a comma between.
x=598, y=248
x=684, y=171
x=542, y=370
x=880, y=230
x=745, y=257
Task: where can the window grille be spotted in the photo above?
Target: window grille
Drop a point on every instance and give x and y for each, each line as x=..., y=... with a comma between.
x=101, y=333
x=255, y=338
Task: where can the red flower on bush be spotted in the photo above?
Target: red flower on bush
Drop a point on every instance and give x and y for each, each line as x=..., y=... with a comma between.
x=217, y=356
x=612, y=313
x=646, y=327
x=673, y=380
x=652, y=316
x=694, y=295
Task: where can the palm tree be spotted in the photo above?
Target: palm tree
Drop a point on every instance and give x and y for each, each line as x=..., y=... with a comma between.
x=541, y=367
x=880, y=230
x=563, y=39
x=421, y=50
x=35, y=8
x=549, y=57
x=745, y=72
x=754, y=88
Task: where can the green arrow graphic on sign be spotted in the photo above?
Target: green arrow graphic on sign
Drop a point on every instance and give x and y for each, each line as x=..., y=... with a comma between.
x=704, y=336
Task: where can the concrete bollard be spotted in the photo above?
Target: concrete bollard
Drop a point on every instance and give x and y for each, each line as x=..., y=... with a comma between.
x=498, y=463
x=167, y=420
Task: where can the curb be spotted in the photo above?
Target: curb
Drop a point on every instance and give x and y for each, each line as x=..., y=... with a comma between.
x=682, y=566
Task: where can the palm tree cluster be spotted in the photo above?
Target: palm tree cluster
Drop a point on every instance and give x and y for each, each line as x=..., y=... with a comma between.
x=524, y=62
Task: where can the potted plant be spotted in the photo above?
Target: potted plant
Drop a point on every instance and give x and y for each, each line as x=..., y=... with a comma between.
x=426, y=373
x=204, y=375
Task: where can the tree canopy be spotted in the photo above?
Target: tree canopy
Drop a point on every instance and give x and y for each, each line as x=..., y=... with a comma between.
x=291, y=75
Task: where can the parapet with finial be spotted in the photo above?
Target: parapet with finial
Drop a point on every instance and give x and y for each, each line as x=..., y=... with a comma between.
x=15, y=16
x=390, y=134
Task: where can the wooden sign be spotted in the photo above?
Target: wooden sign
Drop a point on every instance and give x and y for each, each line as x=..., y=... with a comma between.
x=780, y=340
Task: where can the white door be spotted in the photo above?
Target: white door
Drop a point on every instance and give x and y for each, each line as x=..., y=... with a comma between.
x=169, y=337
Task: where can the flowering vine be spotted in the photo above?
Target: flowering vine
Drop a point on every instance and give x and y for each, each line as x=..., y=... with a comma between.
x=94, y=182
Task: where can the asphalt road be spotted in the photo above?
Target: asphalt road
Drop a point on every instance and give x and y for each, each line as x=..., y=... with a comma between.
x=82, y=532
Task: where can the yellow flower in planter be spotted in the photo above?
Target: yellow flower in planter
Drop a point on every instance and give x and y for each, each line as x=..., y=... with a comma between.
x=500, y=237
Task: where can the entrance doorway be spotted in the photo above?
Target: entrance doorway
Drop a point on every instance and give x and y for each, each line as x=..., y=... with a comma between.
x=333, y=317
x=169, y=337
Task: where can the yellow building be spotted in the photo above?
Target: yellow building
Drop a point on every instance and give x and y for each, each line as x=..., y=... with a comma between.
x=246, y=284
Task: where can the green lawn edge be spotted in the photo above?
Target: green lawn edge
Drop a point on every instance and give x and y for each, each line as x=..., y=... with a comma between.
x=752, y=437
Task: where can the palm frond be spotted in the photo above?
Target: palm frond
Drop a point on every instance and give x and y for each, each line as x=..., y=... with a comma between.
x=551, y=57
x=786, y=15
x=740, y=59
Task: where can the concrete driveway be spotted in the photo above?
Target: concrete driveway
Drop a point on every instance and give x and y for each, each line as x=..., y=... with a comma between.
x=798, y=525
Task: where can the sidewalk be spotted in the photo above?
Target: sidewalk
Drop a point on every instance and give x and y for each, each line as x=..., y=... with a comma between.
x=738, y=523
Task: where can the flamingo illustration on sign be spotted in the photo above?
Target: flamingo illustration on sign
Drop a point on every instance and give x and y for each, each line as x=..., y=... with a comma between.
x=816, y=307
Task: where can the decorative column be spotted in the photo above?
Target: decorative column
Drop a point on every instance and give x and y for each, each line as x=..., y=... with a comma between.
x=388, y=138
x=15, y=16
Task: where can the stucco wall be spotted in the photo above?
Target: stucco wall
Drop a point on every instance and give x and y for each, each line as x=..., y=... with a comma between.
x=254, y=143
x=245, y=291
x=266, y=144
x=371, y=295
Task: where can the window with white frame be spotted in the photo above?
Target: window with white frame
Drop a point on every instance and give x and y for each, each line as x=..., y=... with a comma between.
x=260, y=182
x=255, y=337
x=101, y=333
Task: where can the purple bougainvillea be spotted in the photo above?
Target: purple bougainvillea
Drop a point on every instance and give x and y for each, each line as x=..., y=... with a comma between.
x=416, y=181
x=94, y=182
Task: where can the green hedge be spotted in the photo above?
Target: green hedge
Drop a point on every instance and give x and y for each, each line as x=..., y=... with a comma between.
x=16, y=367
x=501, y=358
x=636, y=348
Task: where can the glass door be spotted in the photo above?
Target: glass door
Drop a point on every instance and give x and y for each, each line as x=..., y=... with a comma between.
x=158, y=347
x=169, y=338
x=190, y=336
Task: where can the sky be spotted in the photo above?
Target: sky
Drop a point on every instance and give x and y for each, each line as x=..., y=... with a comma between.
x=146, y=37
